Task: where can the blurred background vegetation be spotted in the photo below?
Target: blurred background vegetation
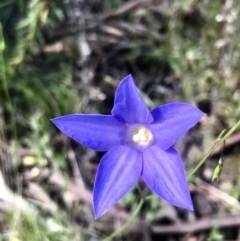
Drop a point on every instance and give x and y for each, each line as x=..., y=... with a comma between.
x=68, y=56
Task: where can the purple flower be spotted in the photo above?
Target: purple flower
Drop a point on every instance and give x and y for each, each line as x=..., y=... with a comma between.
x=139, y=144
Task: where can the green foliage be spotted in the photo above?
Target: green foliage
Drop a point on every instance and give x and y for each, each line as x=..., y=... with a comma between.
x=215, y=234
x=35, y=87
x=217, y=171
x=29, y=84
x=27, y=225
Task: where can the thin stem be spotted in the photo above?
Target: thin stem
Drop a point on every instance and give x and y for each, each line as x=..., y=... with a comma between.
x=134, y=215
x=222, y=140
x=149, y=197
x=139, y=190
x=3, y=76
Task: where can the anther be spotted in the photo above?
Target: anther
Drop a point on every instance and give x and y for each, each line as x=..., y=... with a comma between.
x=142, y=135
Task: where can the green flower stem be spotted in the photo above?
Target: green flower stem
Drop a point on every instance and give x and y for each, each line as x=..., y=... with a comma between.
x=3, y=77
x=217, y=144
x=130, y=220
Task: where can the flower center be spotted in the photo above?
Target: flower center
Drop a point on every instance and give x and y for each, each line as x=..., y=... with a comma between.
x=142, y=135
x=139, y=137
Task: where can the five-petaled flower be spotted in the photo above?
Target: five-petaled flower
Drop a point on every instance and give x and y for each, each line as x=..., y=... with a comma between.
x=139, y=144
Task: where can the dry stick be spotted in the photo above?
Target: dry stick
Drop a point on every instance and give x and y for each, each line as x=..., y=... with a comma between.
x=233, y=140
x=223, y=221
x=225, y=197
x=124, y=8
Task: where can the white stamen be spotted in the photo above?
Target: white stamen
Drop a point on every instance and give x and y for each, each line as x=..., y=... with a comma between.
x=142, y=135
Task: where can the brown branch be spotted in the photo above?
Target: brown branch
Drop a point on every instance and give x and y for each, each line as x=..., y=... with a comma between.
x=94, y=20
x=231, y=141
x=219, y=194
x=222, y=221
x=124, y=8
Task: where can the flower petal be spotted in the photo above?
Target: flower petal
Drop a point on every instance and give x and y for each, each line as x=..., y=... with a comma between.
x=117, y=173
x=163, y=172
x=173, y=120
x=128, y=104
x=99, y=132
